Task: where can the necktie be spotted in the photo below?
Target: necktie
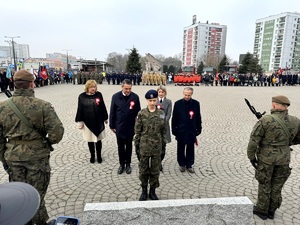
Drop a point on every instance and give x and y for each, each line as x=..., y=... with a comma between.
x=160, y=100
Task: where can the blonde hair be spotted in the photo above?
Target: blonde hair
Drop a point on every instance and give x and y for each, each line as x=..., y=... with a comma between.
x=89, y=84
x=163, y=88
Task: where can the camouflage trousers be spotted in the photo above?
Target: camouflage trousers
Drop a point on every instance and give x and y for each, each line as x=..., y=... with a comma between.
x=37, y=174
x=149, y=170
x=271, y=179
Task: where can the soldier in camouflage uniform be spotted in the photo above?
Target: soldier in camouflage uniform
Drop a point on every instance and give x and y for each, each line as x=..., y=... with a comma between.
x=24, y=151
x=150, y=136
x=269, y=152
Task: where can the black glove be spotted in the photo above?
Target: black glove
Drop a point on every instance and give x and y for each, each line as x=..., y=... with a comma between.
x=137, y=151
x=5, y=166
x=254, y=163
x=163, y=151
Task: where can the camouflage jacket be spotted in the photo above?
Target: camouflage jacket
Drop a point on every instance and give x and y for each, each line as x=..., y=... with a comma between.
x=150, y=131
x=43, y=117
x=268, y=140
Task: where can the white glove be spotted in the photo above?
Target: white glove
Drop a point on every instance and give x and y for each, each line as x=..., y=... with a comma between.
x=80, y=125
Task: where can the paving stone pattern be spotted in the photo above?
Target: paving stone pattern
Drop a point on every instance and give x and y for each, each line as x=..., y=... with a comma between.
x=221, y=165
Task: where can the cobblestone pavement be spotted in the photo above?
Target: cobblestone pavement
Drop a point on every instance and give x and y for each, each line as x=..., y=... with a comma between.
x=221, y=165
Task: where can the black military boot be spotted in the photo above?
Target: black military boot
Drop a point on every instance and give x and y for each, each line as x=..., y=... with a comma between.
x=98, y=150
x=152, y=194
x=271, y=213
x=92, y=151
x=162, y=156
x=260, y=214
x=144, y=194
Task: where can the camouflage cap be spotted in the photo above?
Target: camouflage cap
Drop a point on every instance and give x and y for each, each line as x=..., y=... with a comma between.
x=24, y=75
x=281, y=100
x=151, y=94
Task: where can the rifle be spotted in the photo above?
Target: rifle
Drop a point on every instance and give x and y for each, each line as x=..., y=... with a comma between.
x=253, y=110
x=8, y=93
x=29, y=124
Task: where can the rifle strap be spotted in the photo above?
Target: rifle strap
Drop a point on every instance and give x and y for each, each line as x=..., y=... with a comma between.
x=280, y=121
x=19, y=114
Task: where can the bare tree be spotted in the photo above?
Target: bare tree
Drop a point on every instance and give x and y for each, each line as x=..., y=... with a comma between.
x=117, y=60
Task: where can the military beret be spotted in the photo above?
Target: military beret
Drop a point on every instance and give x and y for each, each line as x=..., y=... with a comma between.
x=24, y=75
x=281, y=100
x=151, y=94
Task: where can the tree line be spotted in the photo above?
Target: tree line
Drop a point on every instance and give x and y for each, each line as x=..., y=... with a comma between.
x=133, y=62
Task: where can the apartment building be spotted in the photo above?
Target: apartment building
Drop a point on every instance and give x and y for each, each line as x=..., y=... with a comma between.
x=203, y=42
x=277, y=41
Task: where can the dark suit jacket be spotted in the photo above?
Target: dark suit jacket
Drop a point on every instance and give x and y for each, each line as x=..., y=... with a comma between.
x=123, y=113
x=186, y=121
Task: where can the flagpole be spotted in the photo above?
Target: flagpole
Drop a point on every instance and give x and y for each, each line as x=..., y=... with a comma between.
x=13, y=50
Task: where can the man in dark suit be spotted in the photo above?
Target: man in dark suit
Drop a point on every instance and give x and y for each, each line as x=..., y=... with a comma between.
x=125, y=106
x=186, y=126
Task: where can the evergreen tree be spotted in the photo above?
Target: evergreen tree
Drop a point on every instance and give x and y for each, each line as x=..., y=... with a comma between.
x=224, y=62
x=247, y=61
x=165, y=68
x=171, y=69
x=133, y=64
x=250, y=65
x=200, y=68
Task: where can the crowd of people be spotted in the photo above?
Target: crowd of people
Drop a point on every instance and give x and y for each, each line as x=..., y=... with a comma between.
x=26, y=137
x=274, y=79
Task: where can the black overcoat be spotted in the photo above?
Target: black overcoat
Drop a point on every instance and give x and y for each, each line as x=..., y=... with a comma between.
x=92, y=111
x=186, y=121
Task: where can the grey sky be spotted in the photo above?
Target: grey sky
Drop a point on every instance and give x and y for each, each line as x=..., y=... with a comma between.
x=95, y=28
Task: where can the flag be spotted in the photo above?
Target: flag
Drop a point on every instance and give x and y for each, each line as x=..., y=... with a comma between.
x=43, y=73
x=8, y=72
x=52, y=73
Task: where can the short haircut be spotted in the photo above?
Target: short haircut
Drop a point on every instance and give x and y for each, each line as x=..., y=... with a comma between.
x=126, y=81
x=22, y=84
x=163, y=88
x=89, y=84
x=189, y=89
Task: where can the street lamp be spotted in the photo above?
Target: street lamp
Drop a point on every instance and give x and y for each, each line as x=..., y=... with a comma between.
x=13, y=49
x=67, y=50
x=96, y=65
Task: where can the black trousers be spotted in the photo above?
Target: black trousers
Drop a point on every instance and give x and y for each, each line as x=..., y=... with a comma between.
x=124, y=150
x=185, y=154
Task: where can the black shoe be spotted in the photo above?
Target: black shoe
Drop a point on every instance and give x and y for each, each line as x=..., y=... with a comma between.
x=161, y=167
x=152, y=194
x=271, y=215
x=191, y=170
x=121, y=169
x=181, y=168
x=128, y=169
x=99, y=159
x=260, y=214
x=144, y=194
x=92, y=159
x=51, y=222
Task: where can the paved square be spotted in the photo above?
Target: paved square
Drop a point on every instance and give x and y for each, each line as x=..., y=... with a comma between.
x=221, y=165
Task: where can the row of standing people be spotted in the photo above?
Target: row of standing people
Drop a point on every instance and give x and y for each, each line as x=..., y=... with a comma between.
x=250, y=80
x=148, y=128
